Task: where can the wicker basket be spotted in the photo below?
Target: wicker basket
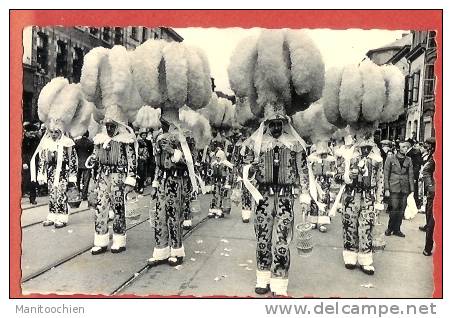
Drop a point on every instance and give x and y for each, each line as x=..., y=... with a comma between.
x=73, y=198
x=305, y=243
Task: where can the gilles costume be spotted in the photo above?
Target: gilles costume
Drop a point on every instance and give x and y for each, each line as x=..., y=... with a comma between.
x=66, y=114
x=265, y=73
x=172, y=79
x=279, y=170
x=321, y=168
x=116, y=160
x=221, y=176
x=360, y=97
x=57, y=167
x=107, y=81
x=362, y=199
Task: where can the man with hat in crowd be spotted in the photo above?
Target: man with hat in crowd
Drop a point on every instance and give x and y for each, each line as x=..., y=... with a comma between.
x=386, y=149
x=399, y=183
x=427, y=173
x=30, y=142
x=416, y=158
x=84, y=147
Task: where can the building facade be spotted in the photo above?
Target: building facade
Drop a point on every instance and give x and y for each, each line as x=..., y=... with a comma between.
x=421, y=85
x=414, y=54
x=58, y=51
x=393, y=53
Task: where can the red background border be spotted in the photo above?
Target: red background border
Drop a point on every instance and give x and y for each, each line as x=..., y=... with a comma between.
x=334, y=19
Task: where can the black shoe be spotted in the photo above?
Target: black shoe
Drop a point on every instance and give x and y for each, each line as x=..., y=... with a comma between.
x=350, y=266
x=399, y=234
x=118, y=250
x=427, y=253
x=186, y=227
x=33, y=202
x=262, y=290
x=179, y=260
x=47, y=223
x=367, y=271
x=59, y=225
x=423, y=228
x=101, y=250
x=388, y=232
x=246, y=220
x=156, y=262
x=210, y=215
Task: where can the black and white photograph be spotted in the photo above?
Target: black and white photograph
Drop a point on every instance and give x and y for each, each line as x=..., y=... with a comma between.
x=228, y=162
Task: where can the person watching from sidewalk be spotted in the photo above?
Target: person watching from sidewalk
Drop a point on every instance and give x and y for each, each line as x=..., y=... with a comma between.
x=399, y=183
x=429, y=191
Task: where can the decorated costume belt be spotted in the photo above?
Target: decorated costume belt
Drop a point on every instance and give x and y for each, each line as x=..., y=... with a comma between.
x=106, y=168
x=281, y=189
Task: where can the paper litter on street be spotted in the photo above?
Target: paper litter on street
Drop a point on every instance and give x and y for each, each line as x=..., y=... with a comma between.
x=192, y=259
x=199, y=241
x=70, y=231
x=249, y=261
x=227, y=249
x=249, y=268
x=224, y=241
x=178, y=267
x=368, y=285
x=243, y=265
x=200, y=252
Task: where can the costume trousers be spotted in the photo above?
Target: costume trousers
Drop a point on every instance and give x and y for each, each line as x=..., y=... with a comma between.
x=28, y=186
x=273, y=226
x=221, y=200
x=110, y=192
x=58, y=210
x=168, y=218
x=187, y=203
x=358, y=220
x=83, y=178
x=430, y=225
x=397, y=205
x=247, y=199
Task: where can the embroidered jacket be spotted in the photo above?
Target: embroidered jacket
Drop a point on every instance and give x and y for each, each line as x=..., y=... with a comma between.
x=49, y=155
x=116, y=154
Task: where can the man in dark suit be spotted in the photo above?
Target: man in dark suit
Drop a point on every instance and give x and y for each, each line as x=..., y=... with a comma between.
x=399, y=182
x=429, y=191
x=30, y=142
x=84, y=148
x=416, y=158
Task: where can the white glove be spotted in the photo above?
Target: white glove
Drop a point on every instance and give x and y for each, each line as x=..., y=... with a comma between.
x=25, y=166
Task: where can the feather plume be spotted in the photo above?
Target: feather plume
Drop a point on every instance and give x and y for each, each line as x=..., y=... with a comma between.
x=145, y=67
x=394, y=83
x=374, y=90
x=350, y=94
x=48, y=94
x=176, y=74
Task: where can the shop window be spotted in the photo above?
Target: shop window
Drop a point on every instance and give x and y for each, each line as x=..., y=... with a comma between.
x=134, y=33
x=144, y=35
x=42, y=52
x=416, y=80
x=106, y=34
x=77, y=63
x=61, y=59
x=118, y=36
